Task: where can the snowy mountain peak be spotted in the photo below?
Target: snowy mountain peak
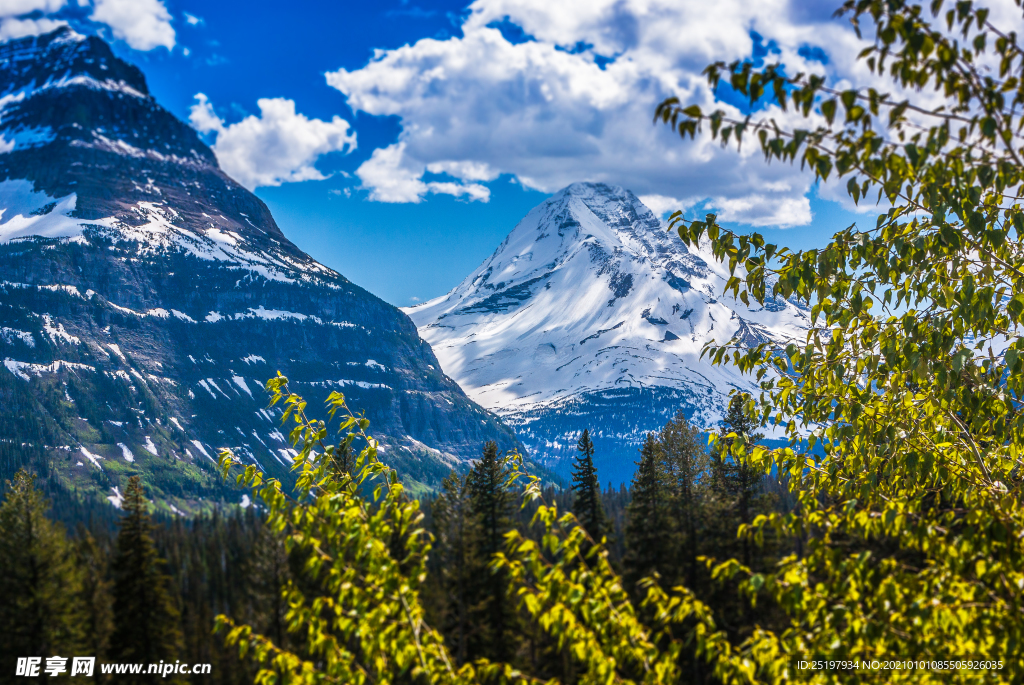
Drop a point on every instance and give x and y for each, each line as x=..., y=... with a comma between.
x=612, y=207
x=591, y=302
x=608, y=223
x=64, y=58
x=85, y=149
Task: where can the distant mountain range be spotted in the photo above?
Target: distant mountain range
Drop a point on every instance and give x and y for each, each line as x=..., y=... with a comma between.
x=591, y=315
x=146, y=297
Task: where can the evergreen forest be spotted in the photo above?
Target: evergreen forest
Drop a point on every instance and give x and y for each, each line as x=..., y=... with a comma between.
x=141, y=588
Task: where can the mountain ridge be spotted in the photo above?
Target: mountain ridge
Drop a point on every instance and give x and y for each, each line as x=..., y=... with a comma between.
x=146, y=297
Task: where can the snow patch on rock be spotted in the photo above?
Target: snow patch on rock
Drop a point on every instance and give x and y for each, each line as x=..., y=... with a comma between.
x=94, y=458
x=127, y=453
x=117, y=498
x=12, y=334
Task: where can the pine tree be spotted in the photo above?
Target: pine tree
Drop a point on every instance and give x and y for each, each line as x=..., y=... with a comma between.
x=458, y=564
x=649, y=523
x=97, y=601
x=345, y=458
x=737, y=483
x=267, y=571
x=687, y=468
x=40, y=586
x=490, y=502
x=145, y=616
x=587, y=505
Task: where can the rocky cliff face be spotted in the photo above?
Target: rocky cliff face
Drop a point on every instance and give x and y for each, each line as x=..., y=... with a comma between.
x=591, y=315
x=146, y=297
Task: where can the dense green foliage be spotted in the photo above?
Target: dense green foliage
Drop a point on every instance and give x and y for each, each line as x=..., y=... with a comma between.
x=910, y=379
x=647, y=532
x=60, y=591
x=489, y=596
x=492, y=603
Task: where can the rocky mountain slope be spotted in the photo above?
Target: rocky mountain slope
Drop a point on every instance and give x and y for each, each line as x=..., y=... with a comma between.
x=591, y=315
x=146, y=297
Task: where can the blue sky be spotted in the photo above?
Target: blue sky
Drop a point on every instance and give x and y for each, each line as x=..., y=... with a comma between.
x=399, y=142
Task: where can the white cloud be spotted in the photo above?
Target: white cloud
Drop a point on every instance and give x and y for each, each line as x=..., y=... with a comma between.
x=477, y=106
x=662, y=204
x=202, y=117
x=193, y=20
x=279, y=146
x=13, y=8
x=780, y=209
x=11, y=26
x=143, y=24
x=392, y=176
x=19, y=28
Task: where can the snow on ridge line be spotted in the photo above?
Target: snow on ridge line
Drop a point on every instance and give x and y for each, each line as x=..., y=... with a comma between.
x=23, y=137
x=156, y=312
x=370, y=364
x=206, y=387
x=22, y=369
x=92, y=83
x=240, y=382
x=592, y=263
x=69, y=289
x=36, y=214
x=274, y=315
x=199, y=446
x=214, y=384
x=345, y=382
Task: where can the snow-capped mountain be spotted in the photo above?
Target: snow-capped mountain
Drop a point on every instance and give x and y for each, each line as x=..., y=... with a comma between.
x=145, y=297
x=591, y=315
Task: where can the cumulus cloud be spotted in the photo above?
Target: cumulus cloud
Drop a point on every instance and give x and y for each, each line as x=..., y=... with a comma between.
x=279, y=146
x=14, y=8
x=13, y=25
x=393, y=176
x=575, y=99
x=143, y=24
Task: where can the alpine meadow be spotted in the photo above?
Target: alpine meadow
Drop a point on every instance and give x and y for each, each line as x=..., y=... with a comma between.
x=847, y=506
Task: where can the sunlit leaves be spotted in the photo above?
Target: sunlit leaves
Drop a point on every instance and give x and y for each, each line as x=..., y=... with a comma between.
x=358, y=607
x=908, y=383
